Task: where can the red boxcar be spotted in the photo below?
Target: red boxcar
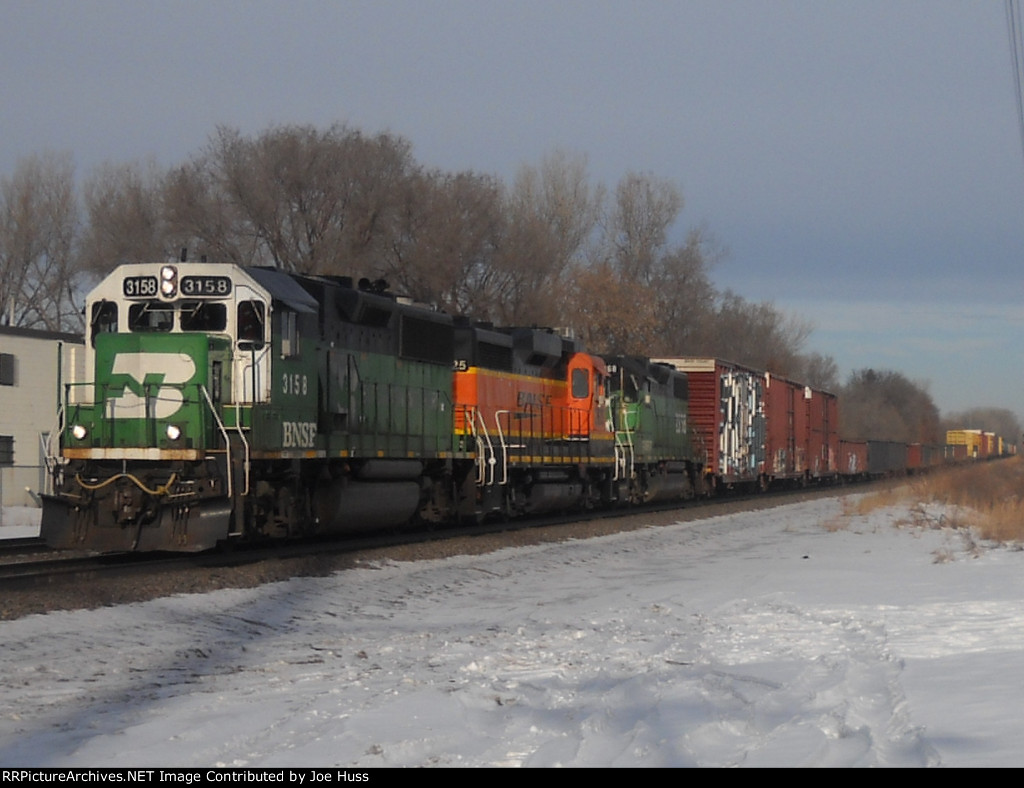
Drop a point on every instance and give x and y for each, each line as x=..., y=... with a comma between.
x=853, y=458
x=727, y=417
x=822, y=433
x=956, y=452
x=803, y=431
x=915, y=457
x=756, y=427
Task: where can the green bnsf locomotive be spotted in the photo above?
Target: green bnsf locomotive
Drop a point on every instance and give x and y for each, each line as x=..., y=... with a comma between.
x=246, y=403
x=229, y=402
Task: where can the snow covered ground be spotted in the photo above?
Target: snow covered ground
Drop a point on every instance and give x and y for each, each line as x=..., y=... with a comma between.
x=789, y=637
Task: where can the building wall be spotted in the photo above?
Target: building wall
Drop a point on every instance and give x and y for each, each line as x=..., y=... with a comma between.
x=34, y=365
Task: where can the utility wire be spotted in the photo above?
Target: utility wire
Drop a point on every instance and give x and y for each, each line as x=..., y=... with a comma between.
x=1015, y=30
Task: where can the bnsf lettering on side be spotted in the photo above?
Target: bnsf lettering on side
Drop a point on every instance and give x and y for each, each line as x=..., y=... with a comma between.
x=299, y=434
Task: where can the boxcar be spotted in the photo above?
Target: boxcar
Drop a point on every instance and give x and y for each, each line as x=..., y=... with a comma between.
x=727, y=418
x=853, y=459
x=886, y=458
x=803, y=431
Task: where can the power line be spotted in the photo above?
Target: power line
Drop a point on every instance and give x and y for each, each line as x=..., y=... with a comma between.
x=1015, y=30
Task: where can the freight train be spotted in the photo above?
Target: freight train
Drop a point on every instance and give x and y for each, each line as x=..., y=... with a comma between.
x=230, y=403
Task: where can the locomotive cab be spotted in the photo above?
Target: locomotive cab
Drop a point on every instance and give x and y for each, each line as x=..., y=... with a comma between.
x=529, y=407
x=648, y=407
x=153, y=448
x=586, y=378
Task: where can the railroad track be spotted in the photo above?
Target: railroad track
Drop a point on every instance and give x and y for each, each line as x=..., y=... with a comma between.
x=22, y=545
x=62, y=581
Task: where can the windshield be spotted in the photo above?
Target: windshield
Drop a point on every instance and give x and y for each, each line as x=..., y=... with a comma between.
x=155, y=316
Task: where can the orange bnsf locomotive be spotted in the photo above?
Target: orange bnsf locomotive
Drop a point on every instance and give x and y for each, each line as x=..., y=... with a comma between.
x=553, y=427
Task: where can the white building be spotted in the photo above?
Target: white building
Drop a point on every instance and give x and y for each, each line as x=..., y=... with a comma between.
x=34, y=367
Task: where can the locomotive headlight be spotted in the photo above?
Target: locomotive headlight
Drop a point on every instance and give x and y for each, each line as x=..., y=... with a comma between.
x=173, y=432
x=168, y=281
x=79, y=432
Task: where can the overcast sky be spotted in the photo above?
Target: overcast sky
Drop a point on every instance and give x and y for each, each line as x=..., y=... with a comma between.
x=859, y=160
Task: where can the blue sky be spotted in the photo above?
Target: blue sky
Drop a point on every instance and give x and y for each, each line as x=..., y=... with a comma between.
x=859, y=161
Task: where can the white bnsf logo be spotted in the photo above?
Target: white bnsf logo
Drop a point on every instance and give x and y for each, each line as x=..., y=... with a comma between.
x=299, y=434
x=161, y=381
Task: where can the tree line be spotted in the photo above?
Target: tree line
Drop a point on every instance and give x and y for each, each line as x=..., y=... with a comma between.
x=552, y=248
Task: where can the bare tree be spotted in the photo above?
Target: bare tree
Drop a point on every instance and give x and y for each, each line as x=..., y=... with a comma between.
x=551, y=213
x=818, y=371
x=656, y=298
x=683, y=294
x=443, y=244
x=885, y=405
x=307, y=200
x=612, y=313
x=637, y=229
x=38, y=224
x=550, y=250
x=201, y=218
x=125, y=217
x=756, y=334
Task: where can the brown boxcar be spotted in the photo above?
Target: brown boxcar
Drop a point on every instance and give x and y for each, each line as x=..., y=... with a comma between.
x=822, y=433
x=853, y=459
x=803, y=431
x=756, y=427
x=957, y=452
x=915, y=457
x=727, y=417
x=932, y=454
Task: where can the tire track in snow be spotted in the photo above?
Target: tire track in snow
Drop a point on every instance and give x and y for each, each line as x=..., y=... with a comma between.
x=809, y=687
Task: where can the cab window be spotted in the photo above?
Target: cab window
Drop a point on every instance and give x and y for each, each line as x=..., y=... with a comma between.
x=289, y=334
x=103, y=320
x=580, y=384
x=203, y=316
x=250, y=321
x=150, y=316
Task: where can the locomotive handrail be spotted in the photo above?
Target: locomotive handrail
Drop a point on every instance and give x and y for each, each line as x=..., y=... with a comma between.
x=227, y=450
x=162, y=490
x=504, y=445
x=52, y=458
x=247, y=462
x=625, y=452
x=576, y=422
x=486, y=474
x=483, y=444
x=615, y=437
x=629, y=459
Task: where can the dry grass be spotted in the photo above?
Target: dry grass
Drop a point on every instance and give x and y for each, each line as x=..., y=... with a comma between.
x=987, y=497
x=877, y=500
